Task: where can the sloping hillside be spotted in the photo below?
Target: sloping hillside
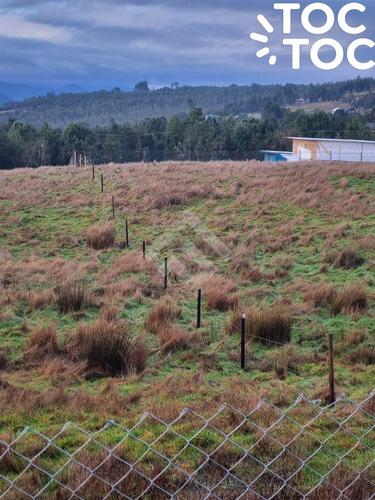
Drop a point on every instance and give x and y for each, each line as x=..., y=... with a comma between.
x=100, y=108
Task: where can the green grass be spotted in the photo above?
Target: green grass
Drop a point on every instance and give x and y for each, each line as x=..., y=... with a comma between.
x=181, y=379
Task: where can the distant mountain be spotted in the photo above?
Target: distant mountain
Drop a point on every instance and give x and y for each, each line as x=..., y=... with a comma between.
x=19, y=92
x=102, y=107
x=4, y=98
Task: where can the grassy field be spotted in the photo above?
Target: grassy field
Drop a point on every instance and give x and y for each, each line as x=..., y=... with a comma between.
x=88, y=333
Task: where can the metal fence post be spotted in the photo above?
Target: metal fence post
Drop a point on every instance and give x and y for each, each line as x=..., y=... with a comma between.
x=199, y=308
x=332, y=395
x=243, y=342
x=126, y=233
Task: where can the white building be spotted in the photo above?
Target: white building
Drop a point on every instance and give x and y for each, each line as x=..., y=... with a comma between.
x=305, y=148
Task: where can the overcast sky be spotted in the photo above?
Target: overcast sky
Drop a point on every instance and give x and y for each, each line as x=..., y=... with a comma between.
x=108, y=43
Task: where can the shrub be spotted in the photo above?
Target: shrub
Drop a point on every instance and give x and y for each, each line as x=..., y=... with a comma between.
x=272, y=325
x=107, y=348
x=350, y=299
x=162, y=313
x=70, y=296
x=348, y=259
x=101, y=237
x=42, y=344
x=320, y=295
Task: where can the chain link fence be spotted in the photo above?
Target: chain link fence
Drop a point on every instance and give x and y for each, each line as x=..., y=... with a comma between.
x=304, y=451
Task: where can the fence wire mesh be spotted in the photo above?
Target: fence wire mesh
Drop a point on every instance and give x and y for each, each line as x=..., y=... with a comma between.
x=304, y=451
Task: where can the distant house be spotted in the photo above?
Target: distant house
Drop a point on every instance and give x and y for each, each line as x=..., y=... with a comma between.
x=306, y=148
x=300, y=102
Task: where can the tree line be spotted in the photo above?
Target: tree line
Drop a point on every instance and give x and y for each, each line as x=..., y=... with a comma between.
x=196, y=137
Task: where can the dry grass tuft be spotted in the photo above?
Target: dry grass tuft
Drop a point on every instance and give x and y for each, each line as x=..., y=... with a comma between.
x=173, y=338
x=348, y=259
x=109, y=312
x=281, y=360
x=163, y=313
x=350, y=299
x=271, y=325
x=71, y=296
x=42, y=344
x=353, y=338
x=101, y=237
x=107, y=348
x=362, y=355
x=218, y=292
x=38, y=299
x=320, y=295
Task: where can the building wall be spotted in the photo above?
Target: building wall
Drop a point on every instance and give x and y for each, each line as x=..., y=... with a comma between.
x=346, y=151
x=305, y=150
x=333, y=150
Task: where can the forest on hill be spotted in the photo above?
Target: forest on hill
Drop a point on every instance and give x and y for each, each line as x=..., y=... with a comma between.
x=103, y=107
x=196, y=137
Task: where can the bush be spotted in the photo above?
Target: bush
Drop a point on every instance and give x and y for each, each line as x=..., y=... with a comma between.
x=270, y=326
x=107, y=348
x=348, y=300
x=162, y=314
x=70, y=296
x=348, y=259
x=101, y=237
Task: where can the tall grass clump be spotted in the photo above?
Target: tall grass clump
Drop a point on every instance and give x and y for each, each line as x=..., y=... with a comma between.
x=107, y=348
x=42, y=344
x=164, y=312
x=101, y=237
x=348, y=259
x=173, y=339
x=219, y=293
x=320, y=295
x=269, y=325
x=350, y=299
x=71, y=296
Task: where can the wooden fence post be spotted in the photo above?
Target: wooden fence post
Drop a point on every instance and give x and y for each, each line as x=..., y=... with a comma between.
x=199, y=308
x=332, y=395
x=93, y=172
x=113, y=207
x=102, y=182
x=144, y=249
x=243, y=342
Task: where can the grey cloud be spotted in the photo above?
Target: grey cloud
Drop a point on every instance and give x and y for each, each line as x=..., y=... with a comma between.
x=116, y=42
